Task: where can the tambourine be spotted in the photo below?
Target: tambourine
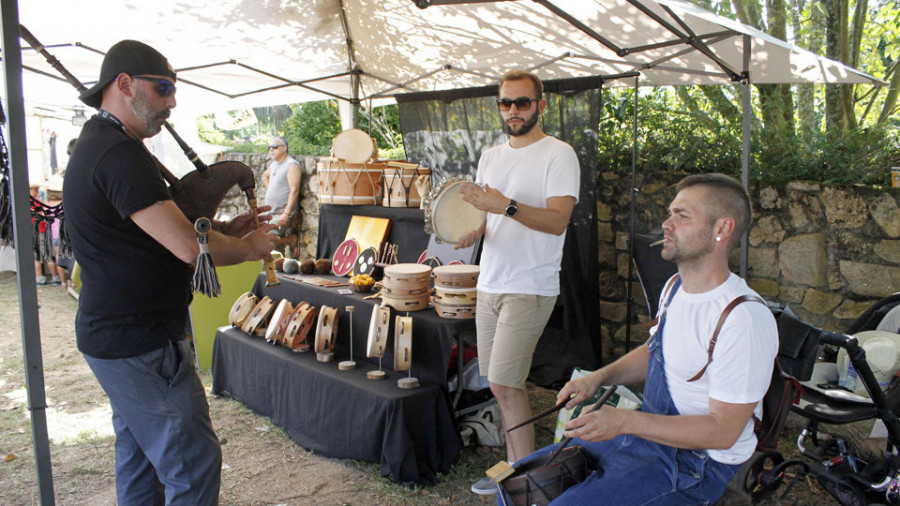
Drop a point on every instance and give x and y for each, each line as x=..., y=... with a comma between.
x=455, y=296
x=242, y=308
x=456, y=276
x=454, y=312
x=259, y=315
x=402, y=343
x=399, y=274
x=326, y=329
x=365, y=262
x=378, y=331
x=278, y=321
x=449, y=217
x=300, y=323
x=344, y=257
x=354, y=146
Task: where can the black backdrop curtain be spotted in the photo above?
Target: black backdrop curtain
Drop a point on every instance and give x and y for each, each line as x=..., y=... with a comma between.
x=447, y=132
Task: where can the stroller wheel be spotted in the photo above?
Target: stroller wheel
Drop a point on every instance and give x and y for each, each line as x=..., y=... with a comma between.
x=756, y=479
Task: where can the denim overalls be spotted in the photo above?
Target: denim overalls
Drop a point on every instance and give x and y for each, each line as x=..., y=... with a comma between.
x=634, y=471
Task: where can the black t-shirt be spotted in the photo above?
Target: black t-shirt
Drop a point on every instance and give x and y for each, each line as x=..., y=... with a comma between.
x=134, y=292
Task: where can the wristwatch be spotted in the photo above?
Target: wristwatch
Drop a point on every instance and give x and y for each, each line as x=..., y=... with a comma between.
x=512, y=208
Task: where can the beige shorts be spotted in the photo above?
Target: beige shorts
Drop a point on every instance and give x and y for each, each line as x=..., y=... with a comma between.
x=509, y=326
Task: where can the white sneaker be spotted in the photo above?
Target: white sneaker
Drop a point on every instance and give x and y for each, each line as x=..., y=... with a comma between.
x=484, y=486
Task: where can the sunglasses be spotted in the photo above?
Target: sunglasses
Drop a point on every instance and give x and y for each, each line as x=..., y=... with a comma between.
x=275, y=146
x=522, y=103
x=163, y=87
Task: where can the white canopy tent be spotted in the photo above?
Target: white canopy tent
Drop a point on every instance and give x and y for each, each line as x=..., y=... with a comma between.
x=237, y=53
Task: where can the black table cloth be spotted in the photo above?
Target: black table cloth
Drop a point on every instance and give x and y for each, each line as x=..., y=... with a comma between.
x=340, y=414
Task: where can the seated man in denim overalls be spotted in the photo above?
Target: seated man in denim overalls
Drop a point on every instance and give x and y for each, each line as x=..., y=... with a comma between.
x=695, y=428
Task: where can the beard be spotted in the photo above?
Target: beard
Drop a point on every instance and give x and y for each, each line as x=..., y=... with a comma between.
x=526, y=126
x=151, y=120
x=686, y=254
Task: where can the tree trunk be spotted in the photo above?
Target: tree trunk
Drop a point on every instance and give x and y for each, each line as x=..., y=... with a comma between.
x=890, y=101
x=834, y=124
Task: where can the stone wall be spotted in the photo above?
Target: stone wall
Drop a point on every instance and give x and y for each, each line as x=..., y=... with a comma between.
x=829, y=252
x=235, y=203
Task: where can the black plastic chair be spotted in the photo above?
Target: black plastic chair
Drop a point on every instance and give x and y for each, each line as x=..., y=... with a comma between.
x=652, y=270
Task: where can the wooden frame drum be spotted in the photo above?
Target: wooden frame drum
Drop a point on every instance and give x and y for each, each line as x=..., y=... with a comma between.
x=455, y=296
x=298, y=327
x=326, y=329
x=402, y=343
x=456, y=276
x=378, y=331
x=454, y=312
x=278, y=321
x=354, y=145
x=259, y=315
x=407, y=274
x=242, y=308
x=449, y=217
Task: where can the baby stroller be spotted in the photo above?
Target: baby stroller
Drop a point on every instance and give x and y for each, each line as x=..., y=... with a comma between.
x=833, y=461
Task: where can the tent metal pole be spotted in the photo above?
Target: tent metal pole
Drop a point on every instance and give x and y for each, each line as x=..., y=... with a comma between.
x=23, y=240
x=745, y=146
x=629, y=296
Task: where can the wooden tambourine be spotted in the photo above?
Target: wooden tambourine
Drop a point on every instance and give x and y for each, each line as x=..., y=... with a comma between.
x=454, y=312
x=299, y=325
x=242, y=308
x=378, y=331
x=354, y=146
x=402, y=343
x=326, y=331
x=278, y=321
x=449, y=217
x=456, y=276
x=406, y=274
x=406, y=302
x=455, y=296
x=259, y=316
x=344, y=257
x=365, y=262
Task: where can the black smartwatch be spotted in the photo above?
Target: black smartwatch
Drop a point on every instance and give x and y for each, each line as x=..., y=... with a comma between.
x=512, y=208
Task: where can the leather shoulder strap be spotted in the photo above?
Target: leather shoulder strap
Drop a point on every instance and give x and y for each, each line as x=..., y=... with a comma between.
x=712, y=342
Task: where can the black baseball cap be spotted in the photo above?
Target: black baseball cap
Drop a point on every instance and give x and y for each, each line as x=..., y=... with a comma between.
x=131, y=57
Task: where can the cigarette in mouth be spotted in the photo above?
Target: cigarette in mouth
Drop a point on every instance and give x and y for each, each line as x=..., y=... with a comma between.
x=657, y=243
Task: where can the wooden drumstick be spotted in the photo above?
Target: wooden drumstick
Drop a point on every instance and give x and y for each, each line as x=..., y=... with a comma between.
x=567, y=440
x=271, y=279
x=542, y=414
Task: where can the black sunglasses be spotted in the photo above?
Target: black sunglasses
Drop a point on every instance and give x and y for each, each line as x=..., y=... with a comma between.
x=275, y=146
x=522, y=103
x=163, y=87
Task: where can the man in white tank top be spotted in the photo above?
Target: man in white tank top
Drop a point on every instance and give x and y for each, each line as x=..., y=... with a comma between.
x=282, y=181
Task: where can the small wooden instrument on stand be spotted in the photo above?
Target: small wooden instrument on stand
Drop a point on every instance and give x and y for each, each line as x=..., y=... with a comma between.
x=326, y=331
x=403, y=351
x=377, y=339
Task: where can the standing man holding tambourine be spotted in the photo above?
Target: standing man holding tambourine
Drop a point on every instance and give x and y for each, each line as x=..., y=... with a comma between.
x=528, y=188
x=135, y=247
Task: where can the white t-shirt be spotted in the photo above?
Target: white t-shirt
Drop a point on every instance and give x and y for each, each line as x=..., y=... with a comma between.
x=742, y=360
x=515, y=258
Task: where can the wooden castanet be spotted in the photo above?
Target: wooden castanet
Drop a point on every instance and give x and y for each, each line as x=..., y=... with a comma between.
x=242, y=308
x=259, y=316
